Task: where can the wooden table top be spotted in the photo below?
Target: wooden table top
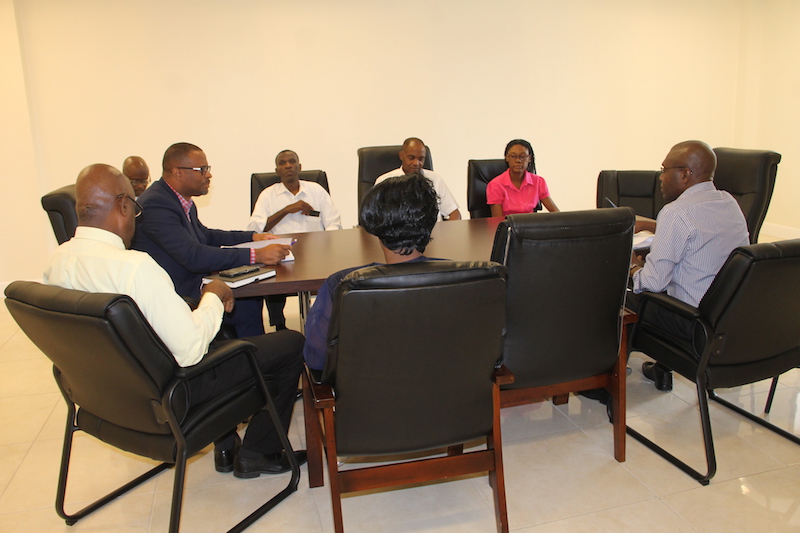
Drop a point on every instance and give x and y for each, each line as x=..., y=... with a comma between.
x=319, y=254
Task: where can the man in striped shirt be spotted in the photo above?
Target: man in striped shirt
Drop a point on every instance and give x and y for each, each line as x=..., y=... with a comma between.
x=697, y=230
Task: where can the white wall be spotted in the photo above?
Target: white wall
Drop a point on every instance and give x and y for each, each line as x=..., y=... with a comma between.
x=593, y=85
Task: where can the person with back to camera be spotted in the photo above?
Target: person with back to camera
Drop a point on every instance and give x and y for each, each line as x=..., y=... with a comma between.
x=518, y=189
x=401, y=212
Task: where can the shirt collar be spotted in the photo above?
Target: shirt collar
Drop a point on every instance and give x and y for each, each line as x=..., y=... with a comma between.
x=185, y=204
x=98, y=234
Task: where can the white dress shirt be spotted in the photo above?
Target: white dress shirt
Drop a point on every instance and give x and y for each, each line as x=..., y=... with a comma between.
x=447, y=204
x=276, y=197
x=695, y=233
x=95, y=260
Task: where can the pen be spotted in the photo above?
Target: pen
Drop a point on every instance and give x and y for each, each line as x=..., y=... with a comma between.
x=293, y=242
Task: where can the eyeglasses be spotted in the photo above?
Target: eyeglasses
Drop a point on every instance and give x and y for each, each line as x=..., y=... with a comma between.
x=140, y=182
x=664, y=169
x=137, y=210
x=518, y=157
x=205, y=169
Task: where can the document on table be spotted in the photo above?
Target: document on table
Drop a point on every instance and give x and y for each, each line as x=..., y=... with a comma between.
x=261, y=244
x=643, y=239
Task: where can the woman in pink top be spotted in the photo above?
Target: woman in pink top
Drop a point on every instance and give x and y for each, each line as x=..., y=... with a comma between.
x=518, y=190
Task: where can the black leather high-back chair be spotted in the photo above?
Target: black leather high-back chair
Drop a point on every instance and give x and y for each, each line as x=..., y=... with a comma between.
x=745, y=330
x=639, y=189
x=413, y=377
x=749, y=175
x=577, y=262
x=123, y=387
x=479, y=173
x=60, y=207
x=262, y=180
x=375, y=161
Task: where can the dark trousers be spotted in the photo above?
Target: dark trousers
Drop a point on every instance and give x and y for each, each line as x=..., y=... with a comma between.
x=275, y=305
x=280, y=358
x=246, y=317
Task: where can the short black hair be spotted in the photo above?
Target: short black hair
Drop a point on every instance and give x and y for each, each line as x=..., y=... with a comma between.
x=177, y=151
x=526, y=144
x=401, y=212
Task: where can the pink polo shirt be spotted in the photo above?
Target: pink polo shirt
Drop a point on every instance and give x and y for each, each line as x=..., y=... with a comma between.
x=501, y=191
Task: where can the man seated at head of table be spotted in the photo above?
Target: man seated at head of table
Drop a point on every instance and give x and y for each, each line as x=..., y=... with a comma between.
x=97, y=259
x=291, y=206
x=412, y=157
x=401, y=212
x=170, y=231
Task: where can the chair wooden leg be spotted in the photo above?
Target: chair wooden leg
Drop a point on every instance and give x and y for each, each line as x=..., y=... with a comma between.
x=333, y=470
x=497, y=475
x=618, y=397
x=313, y=437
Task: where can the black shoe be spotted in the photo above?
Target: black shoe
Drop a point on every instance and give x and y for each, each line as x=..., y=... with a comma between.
x=270, y=463
x=601, y=395
x=659, y=374
x=223, y=458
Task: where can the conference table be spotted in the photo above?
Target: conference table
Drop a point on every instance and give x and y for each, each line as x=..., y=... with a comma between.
x=321, y=253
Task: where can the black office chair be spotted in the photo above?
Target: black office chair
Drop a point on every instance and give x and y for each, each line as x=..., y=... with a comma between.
x=374, y=161
x=262, y=180
x=638, y=189
x=749, y=175
x=123, y=387
x=387, y=392
x=60, y=207
x=577, y=262
x=479, y=173
x=745, y=330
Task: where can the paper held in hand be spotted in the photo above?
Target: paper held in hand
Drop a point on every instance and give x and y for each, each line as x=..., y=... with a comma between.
x=261, y=244
x=643, y=239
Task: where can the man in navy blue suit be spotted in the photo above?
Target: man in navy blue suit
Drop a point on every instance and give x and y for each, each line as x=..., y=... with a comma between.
x=171, y=233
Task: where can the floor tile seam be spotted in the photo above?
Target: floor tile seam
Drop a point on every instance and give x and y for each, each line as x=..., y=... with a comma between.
x=537, y=435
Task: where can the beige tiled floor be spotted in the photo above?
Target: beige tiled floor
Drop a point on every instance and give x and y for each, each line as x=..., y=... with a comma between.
x=560, y=471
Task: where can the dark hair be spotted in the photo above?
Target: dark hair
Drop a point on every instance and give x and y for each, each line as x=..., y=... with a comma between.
x=526, y=144
x=177, y=151
x=401, y=212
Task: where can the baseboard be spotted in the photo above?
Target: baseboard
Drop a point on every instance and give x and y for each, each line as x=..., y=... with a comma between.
x=779, y=232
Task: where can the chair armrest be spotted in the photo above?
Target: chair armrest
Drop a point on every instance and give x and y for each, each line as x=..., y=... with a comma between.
x=672, y=304
x=222, y=352
x=503, y=376
x=322, y=395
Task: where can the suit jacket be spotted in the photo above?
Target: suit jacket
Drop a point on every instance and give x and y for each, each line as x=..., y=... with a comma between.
x=186, y=249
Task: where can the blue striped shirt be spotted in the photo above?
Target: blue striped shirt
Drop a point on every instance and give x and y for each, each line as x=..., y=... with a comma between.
x=695, y=233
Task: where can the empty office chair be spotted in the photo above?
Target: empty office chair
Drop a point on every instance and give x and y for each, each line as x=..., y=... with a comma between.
x=374, y=161
x=60, y=207
x=745, y=330
x=638, y=189
x=385, y=392
x=479, y=173
x=749, y=175
x=123, y=387
x=567, y=274
x=260, y=181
